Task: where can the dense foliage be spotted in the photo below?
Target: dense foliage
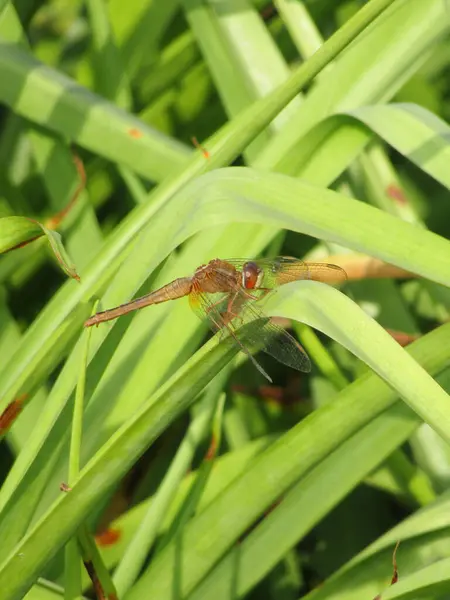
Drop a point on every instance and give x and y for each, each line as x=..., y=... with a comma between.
x=143, y=458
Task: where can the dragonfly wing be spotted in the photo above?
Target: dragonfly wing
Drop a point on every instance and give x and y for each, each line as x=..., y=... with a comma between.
x=211, y=308
x=284, y=269
x=226, y=312
x=260, y=332
x=285, y=348
x=277, y=342
x=201, y=305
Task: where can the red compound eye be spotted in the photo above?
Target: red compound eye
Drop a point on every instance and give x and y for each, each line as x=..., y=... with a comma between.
x=250, y=275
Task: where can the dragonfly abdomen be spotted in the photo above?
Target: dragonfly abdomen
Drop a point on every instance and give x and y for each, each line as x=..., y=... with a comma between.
x=176, y=289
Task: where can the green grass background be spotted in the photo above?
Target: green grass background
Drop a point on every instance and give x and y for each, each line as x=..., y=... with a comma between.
x=325, y=126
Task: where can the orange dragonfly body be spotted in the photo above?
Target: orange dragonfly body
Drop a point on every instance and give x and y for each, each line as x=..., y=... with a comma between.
x=224, y=293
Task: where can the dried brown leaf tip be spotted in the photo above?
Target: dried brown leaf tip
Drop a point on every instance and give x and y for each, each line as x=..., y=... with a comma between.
x=394, y=577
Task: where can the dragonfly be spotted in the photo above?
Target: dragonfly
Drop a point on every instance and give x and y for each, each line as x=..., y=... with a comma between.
x=226, y=293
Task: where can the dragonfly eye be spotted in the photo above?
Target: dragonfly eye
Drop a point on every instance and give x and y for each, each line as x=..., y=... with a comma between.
x=251, y=276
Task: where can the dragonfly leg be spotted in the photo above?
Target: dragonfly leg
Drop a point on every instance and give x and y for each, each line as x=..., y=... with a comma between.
x=230, y=303
x=264, y=294
x=227, y=315
x=217, y=325
x=230, y=314
x=211, y=306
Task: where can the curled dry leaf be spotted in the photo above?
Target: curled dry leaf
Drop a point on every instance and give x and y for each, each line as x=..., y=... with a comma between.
x=394, y=577
x=360, y=266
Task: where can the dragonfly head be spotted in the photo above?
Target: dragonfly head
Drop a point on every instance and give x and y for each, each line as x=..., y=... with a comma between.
x=251, y=276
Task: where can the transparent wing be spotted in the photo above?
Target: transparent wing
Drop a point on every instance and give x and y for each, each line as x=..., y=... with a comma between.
x=229, y=311
x=276, y=341
x=211, y=308
x=284, y=269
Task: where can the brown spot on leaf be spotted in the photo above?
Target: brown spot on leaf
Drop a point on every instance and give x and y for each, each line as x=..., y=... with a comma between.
x=108, y=537
x=401, y=337
x=11, y=413
x=212, y=450
x=135, y=133
x=396, y=193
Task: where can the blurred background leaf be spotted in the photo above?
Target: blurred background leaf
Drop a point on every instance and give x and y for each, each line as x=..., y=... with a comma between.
x=212, y=129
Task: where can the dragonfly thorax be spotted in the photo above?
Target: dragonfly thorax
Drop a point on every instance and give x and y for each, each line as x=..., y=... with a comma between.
x=217, y=276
